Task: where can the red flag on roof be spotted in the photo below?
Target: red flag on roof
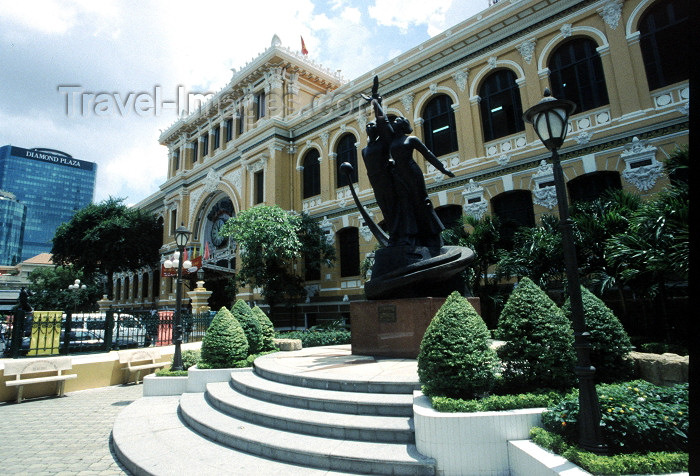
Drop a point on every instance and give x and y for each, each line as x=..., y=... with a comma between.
x=304, y=51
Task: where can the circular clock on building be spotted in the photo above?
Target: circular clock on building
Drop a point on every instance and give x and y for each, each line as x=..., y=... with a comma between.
x=216, y=239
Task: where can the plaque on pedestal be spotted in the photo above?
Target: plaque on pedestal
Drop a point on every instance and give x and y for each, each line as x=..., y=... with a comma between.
x=393, y=328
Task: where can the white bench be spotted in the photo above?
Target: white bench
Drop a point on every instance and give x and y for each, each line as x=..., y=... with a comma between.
x=24, y=367
x=138, y=360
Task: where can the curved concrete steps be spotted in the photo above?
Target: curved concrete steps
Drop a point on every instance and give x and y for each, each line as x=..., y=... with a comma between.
x=388, y=429
x=305, y=412
x=268, y=367
x=363, y=457
x=337, y=401
x=151, y=439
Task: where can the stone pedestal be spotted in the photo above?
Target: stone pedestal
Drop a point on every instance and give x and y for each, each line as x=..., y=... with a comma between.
x=104, y=304
x=199, y=298
x=393, y=328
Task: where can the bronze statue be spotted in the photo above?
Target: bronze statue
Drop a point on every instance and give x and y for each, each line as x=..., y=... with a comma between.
x=412, y=261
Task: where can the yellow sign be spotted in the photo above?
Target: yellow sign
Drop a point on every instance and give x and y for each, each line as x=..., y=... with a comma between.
x=46, y=333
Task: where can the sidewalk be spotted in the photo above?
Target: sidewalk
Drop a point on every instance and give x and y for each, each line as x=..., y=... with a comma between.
x=63, y=436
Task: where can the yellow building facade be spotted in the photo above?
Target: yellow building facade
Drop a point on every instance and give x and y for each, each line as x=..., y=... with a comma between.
x=277, y=133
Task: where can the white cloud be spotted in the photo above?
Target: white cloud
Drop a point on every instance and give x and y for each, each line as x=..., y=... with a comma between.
x=129, y=46
x=352, y=15
x=406, y=13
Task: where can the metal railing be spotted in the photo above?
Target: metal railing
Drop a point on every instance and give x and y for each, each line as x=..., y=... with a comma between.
x=54, y=332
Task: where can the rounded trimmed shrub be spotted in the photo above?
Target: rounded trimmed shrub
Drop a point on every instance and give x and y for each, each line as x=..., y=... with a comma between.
x=610, y=344
x=224, y=343
x=250, y=325
x=267, y=330
x=455, y=359
x=538, y=352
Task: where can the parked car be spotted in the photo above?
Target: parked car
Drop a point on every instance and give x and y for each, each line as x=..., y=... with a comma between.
x=80, y=341
x=128, y=331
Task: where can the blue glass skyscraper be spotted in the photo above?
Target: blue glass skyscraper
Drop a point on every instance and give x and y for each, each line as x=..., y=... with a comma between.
x=51, y=184
x=13, y=218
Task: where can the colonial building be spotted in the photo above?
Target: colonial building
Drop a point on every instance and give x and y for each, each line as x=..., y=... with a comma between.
x=278, y=132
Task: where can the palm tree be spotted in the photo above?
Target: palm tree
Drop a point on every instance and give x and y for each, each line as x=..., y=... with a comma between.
x=537, y=253
x=483, y=237
x=595, y=222
x=655, y=249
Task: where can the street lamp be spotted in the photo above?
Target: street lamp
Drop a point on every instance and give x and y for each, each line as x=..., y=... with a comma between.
x=182, y=236
x=76, y=286
x=549, y=118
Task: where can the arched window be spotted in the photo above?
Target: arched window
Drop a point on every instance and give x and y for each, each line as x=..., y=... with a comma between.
x=347, y=152
x=439, y=128
x=588, y=187
x=349, y=246
x=501, y=109
x=576, y=74
x=449, y=215
x=312, y=174
x=155, y=284
x=514, y=210
x=664, y=37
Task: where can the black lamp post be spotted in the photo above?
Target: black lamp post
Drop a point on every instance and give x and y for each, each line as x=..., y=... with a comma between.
x=182, y=236
x=549, y=118
x=75, y=287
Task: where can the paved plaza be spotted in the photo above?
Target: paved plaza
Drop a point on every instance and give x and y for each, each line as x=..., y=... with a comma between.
x=63, y=436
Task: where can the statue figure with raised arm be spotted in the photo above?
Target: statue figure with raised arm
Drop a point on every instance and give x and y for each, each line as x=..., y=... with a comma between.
x=412, y=260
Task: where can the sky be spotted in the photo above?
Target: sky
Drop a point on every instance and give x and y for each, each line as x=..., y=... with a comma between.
x=77, y=75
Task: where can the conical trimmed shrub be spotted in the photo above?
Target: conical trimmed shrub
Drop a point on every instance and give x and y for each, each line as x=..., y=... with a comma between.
x=610, y=344
x=250, y=325
x=268, y=330
x=539, y=351
x=224, y=342
x=455, y=359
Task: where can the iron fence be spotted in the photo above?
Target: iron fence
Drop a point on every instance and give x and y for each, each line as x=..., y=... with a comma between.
x=55, y=332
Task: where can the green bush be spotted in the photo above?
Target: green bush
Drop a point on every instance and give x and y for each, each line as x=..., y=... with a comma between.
x=250, y=325
x=662, y=348
x=538, y=352
x=224, y=342
x=496, y=403
x=455, y=358
x=636, y=416
x=171, y=373
x=267, y=330
x=190, y=358
x=649, y=463
x=317, y=338
x=610, y=344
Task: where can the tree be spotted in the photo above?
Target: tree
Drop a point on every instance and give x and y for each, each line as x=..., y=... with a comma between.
x=539, y=351
x=272, y=241
x=610, y=344
x=107, y=237
x=224, y=343
x=655, y=250
x=455, y=359
x=268, y=330
x=537, y=253
x=483, y=237
x=49, y=290
x=595, y=222
x=250, y=325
